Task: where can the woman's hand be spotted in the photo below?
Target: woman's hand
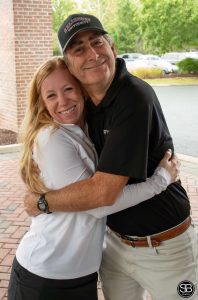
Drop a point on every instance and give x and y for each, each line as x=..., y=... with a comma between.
x=171, y=164
x=30, y=204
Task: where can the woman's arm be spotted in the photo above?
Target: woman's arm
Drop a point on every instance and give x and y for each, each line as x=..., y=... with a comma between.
x=134, y=194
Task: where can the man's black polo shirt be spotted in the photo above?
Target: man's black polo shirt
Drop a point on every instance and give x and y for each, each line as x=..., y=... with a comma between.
x=131, y=136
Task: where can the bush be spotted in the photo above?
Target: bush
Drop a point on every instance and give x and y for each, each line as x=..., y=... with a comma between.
x=57, y=52
x=146, y=72
x=56, y=49
x=188, y=65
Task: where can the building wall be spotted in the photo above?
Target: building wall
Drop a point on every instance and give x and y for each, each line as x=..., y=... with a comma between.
x=8, y=102
x=26, y=42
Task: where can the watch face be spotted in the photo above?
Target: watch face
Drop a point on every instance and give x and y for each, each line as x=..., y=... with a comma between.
x=42, y=206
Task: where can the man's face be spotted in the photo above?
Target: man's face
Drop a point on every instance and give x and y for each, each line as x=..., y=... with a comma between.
x=91, y=59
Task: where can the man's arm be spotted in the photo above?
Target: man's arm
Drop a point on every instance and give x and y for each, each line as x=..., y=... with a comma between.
x=100, y=190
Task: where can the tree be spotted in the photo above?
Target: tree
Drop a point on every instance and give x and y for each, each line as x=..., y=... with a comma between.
x=126, y=32
x=119, y=19
x=60, y=10
x=155, y=26
x=169, y=25
x=100, y=8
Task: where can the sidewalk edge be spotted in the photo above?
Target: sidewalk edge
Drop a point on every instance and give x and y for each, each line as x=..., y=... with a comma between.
x=17, y=147
x=187, y=158
x=10, y=148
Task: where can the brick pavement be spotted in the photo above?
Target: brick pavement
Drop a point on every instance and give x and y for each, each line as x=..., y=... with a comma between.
x=14, y=221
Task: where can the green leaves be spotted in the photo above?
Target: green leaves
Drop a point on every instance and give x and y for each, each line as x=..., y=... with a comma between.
x=148, y=26
x=169, y=25
x=188, y=65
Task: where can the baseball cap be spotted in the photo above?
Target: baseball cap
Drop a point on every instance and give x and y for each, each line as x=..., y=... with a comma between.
x=74, y=24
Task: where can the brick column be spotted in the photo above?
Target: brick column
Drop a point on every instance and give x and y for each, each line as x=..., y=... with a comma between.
x=25, y=42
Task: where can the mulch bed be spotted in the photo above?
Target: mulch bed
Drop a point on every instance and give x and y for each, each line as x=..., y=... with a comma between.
x=7, y=137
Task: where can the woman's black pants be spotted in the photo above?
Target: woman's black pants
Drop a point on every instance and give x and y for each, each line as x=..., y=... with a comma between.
x=25, y=285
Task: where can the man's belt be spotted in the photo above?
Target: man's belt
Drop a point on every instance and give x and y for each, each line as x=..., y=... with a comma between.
x=156, y=239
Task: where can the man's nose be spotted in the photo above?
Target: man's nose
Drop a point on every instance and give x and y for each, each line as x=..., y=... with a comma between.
x=92, y=53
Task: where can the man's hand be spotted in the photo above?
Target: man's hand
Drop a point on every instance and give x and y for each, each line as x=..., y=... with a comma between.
x=30, y=203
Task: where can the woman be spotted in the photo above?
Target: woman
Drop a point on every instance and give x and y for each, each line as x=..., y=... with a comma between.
x=58, y=258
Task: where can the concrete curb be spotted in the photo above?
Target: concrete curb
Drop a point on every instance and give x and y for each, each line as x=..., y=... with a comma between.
x=172, y=84
x=17, y=147
x=10, y=148
x=187, y=158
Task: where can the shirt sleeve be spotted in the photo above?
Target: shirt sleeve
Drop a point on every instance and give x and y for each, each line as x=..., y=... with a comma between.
x=58, y=160
x=134, y=194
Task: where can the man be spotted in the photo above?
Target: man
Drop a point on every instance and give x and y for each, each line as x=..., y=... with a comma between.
x=150, y=246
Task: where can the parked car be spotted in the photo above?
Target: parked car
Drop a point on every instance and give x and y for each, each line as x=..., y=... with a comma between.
x=174, y=57
x=131, y=56
x=133, y=65
x=156, y=61
x=192, y=54
x=136, y=64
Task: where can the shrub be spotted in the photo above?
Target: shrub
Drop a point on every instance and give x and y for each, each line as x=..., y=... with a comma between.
x=188, y=65
x=56, y=52
x=146, y=72
x=56, y=49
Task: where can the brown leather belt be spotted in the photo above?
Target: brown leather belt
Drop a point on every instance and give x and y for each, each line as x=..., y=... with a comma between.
x=156, y=239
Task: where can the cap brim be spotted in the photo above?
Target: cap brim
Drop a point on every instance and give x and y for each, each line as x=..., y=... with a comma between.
x=80, y=30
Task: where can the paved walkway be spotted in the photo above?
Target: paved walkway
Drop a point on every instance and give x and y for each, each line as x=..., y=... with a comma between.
x=14, y=221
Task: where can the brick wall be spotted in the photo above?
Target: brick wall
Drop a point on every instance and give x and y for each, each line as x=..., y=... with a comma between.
x=25, y=42
x=8, y=110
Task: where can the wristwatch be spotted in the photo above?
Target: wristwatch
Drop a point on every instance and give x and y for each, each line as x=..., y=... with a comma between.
x=42, y=204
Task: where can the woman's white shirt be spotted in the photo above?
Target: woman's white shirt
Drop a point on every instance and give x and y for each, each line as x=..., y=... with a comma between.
x=69, y=245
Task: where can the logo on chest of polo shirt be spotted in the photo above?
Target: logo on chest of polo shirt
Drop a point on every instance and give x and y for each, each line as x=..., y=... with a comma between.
x=105, y=131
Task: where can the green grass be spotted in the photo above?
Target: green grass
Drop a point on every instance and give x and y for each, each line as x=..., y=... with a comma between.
x=174, y=81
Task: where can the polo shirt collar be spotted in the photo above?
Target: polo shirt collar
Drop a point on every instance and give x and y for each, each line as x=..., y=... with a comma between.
x=117, y=83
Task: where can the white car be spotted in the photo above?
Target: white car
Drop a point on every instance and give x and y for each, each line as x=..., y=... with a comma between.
x=192, y=54
x=156, y=61
x=130, y=56
x=174, y=57
x=135, y=64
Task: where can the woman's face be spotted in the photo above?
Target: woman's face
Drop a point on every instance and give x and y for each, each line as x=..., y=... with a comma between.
x=63, y=98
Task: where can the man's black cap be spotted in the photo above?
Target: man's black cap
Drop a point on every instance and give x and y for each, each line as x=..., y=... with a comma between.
x=74, y=24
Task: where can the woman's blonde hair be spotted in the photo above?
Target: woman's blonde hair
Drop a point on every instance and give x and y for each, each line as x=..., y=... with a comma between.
x=36, y=117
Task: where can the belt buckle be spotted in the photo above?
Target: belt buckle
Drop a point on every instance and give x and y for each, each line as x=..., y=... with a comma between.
x=155, y=243
x=132, y=241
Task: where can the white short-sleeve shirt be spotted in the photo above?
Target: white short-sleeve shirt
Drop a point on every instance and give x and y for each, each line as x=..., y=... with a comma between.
x=65, y=245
